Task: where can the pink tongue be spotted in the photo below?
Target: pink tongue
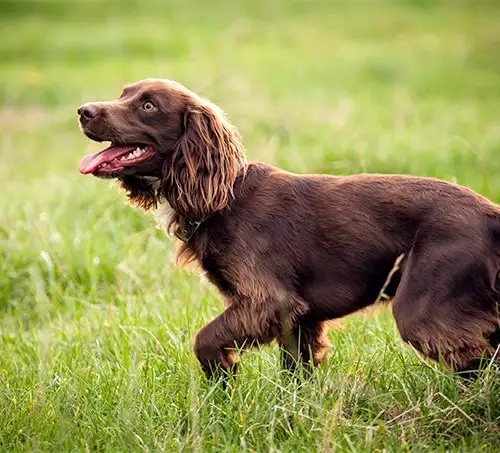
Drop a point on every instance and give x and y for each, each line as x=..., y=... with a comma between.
x=90, y=162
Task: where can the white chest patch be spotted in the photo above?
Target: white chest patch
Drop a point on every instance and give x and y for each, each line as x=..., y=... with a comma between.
x=163, y=214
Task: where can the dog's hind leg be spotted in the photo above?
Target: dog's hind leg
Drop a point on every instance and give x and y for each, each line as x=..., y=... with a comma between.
x=305, y=344
x=495, y=339
x=445, y=305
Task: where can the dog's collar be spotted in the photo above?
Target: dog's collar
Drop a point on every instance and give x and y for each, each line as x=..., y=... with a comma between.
x=186, y=230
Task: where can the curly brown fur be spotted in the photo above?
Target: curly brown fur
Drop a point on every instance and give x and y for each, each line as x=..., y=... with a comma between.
x=289, y=252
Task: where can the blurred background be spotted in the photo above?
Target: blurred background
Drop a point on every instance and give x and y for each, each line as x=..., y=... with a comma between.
x=87, y=283
x=403, y=86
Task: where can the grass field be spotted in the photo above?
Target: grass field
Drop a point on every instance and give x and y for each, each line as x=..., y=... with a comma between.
x=96, y=323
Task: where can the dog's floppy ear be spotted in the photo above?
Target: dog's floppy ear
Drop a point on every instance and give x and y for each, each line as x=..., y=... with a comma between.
x=198, y=179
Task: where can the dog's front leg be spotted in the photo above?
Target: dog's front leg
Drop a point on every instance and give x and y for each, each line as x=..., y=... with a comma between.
x=217, y=344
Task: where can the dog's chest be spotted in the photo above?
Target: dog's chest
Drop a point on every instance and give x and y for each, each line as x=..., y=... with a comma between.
x=163, y=215
x=217, y=275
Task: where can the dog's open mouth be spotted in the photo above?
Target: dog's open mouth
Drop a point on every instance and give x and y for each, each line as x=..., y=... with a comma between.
x=114, y=159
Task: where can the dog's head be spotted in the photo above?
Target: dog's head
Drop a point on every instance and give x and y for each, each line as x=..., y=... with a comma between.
x=165, y=142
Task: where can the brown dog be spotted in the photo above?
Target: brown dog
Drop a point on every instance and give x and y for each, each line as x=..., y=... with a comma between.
x=289, y=252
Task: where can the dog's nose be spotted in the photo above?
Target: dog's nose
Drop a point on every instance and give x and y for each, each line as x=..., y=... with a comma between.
x=88, y=110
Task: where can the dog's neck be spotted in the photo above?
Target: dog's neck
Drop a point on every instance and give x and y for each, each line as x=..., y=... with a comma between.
x=167, y=219
x=183, y=225
x=178, y=218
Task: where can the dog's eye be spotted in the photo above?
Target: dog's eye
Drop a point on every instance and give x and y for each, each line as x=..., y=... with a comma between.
x=148, y=106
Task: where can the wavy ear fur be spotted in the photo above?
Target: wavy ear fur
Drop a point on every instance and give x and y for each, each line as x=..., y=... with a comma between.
x=199, y=177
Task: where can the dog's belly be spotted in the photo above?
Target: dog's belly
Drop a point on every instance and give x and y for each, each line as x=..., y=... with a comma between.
x=331, y=295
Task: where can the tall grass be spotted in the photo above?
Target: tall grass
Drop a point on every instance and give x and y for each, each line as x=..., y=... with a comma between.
x=96, y=323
